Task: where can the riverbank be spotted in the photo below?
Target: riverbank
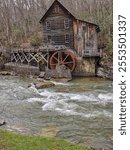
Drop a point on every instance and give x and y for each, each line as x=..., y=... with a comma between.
x=11, y=141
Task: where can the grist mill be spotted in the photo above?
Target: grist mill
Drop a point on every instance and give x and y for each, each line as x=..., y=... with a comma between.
x=67, y=41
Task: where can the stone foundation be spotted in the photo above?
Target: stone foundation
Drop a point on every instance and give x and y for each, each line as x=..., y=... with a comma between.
x=22, y=69
x=85, y=67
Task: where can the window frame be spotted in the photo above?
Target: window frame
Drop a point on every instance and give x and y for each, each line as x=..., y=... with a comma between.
x=67, y=23
x=85, y=28
x=48, y=25
x=67, y=38
x=49, y=38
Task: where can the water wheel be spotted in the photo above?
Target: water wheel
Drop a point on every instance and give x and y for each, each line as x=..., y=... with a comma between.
x=64, y=57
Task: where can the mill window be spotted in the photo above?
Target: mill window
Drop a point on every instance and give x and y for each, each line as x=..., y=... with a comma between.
x=66, y=23
x=67, y=38
x=49, y=38
x=84, y=28
x=48, y=26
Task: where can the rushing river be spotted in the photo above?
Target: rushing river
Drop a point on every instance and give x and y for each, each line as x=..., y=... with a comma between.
x=79, y=111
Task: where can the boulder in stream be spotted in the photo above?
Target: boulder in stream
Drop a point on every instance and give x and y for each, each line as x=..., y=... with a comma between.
x=2, y=122
x=42, y=74
x=43, y=84
x=7, y=73
x=59, y=72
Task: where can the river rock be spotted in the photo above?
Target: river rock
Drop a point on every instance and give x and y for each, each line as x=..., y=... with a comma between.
x=105, y=72
x=2, y=122
x=59, y=72
x=49, y=132
x=7, y=73
x=42, y=74
x=22, y=69
x=43, y=84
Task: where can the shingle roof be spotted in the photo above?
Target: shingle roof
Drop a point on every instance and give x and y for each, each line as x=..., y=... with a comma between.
x=73, y=14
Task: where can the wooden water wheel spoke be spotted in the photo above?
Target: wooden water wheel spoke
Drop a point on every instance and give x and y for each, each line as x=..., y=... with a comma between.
x=56, y=58
x=64, y=57
x=59, y=57
x=53, y=64
x=71, y=62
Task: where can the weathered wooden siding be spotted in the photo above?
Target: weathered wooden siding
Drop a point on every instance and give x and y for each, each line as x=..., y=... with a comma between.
x=85, y=39
x=58, y=28
x=78, y=39
x=85, y=43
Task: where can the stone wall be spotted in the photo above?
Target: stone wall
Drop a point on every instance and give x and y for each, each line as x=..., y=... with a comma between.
x=22, y=69
x=85, y=67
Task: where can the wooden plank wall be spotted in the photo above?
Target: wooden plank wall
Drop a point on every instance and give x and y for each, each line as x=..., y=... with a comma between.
x=85, y=39
x=57, y=32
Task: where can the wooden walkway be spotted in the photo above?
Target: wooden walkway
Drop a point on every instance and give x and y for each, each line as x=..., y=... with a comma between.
x=33, y=56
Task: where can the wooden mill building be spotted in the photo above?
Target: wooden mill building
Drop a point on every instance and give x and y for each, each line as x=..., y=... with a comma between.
x=61, y=27
x=68, y=43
